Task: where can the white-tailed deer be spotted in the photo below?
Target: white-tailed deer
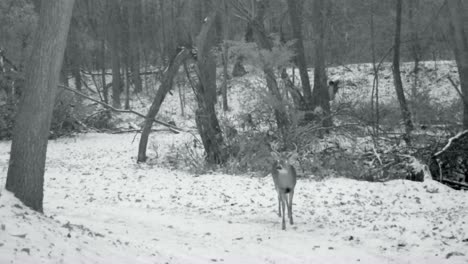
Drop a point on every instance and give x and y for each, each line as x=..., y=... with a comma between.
x=284, y=177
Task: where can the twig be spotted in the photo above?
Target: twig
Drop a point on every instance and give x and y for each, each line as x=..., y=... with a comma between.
x=455, y=86
x=137, y=131
x=83, y=81
x=455, y=183
x=173, y=129
x=376, y=154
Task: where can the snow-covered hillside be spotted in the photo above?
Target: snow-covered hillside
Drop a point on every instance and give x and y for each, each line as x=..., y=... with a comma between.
x=102, y=207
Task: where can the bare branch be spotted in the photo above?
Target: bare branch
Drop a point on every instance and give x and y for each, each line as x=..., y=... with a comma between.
x=455, y=86
x=172, y=128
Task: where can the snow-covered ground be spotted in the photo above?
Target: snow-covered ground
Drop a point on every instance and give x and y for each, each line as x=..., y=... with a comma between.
x=102, y=207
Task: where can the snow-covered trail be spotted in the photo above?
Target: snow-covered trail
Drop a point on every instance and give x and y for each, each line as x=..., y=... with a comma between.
x=150, y=214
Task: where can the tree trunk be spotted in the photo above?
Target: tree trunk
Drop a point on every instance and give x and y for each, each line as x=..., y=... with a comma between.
x=105, y=90
x=225, y=57
x=264, y=42
x=415, y=43
x=375, y=83
x=205, y=115
x=73, y=54
x=25, y=177
x=320, y=96
x=460, y=48
x=114, y=40
x=134, y=23
x=406, y=115
x=164, y=88
x=125, y=49
x=162, y=22
x=127, y=88
x=181, y=98
x=63, y=72
x=295, y=16
x=76, y=75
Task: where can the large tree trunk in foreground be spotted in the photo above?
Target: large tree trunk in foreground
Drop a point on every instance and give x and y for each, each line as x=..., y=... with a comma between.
x=406, y=115
x=164, y=88
x=295, y=16
x=25, y=176
x=460, y=47
x=320, y=96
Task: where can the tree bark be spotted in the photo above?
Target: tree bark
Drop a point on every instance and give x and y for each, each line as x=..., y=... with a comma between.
x=300, y=61
x=415, y=43
x=164, y=88
x=127, y=88
x=73, y=52
x=460, y=48
x=406, y=115
x=264, y=42
x=320, y=96
x=125, y=49
x=25, y=177
x=134, y=16
x=205, y=115
x=225, y=57
x=105, y=90
x=114, y=40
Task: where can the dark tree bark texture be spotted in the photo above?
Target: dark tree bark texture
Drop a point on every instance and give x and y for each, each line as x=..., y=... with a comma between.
x=25, y=177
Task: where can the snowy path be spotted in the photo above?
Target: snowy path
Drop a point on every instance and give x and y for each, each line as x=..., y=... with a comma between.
x=140, y=213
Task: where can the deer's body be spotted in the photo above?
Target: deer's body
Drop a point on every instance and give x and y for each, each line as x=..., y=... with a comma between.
x=284, y=177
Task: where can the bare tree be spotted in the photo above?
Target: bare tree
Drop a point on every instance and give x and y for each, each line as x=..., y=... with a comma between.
x=164, y=88
x=205, y=92
x=460, y=47
x=134, y=24
x=114, y=39
x=256, y=28
x=406, y=115
x=295, y=16
x=320, y=97
x=25, y=177
x=73, y=53
x=225, y=55
x=415, y=42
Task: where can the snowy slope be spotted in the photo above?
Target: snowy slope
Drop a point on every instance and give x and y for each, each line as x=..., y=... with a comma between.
x=102, y=207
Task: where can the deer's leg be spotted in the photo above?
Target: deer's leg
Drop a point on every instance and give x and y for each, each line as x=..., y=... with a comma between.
x=283, y=207
x=279, y=204
x=291, y=194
